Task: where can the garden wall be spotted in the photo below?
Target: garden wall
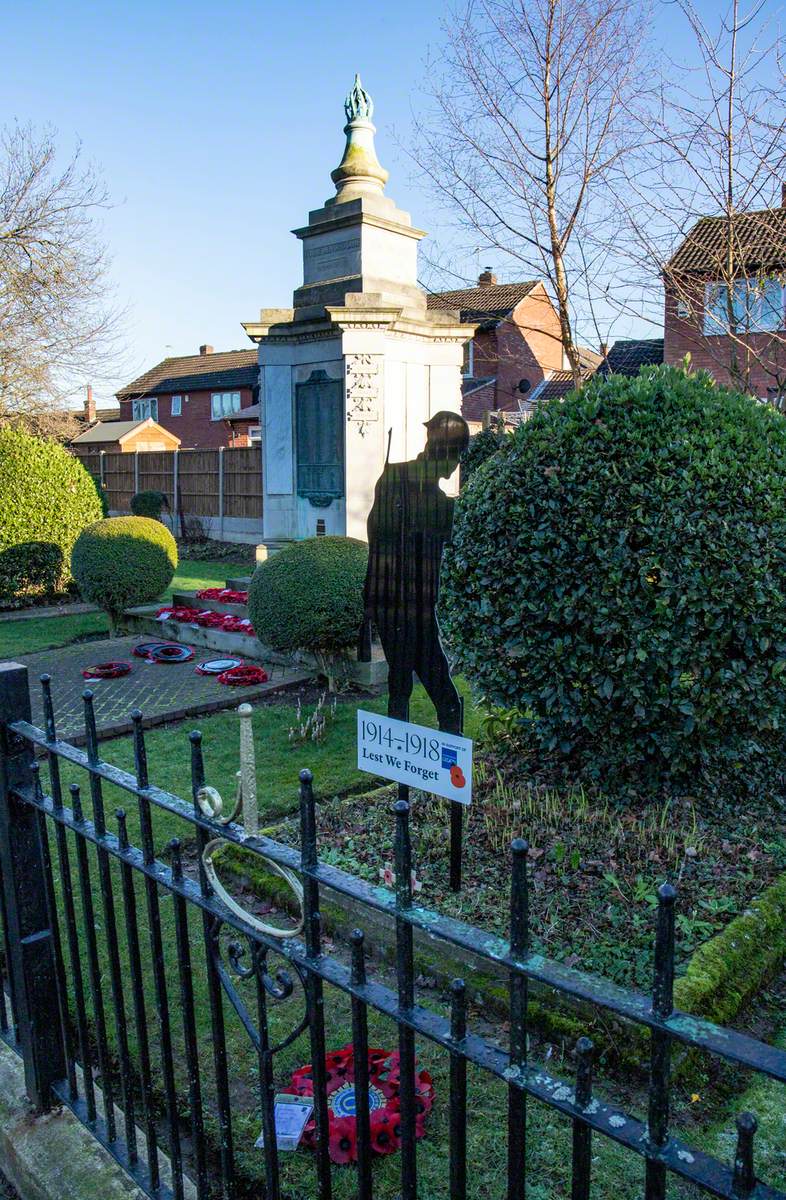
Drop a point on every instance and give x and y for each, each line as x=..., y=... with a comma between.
x=219, y=490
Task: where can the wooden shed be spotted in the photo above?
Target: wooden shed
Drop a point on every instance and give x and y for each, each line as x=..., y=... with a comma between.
x=126, y=437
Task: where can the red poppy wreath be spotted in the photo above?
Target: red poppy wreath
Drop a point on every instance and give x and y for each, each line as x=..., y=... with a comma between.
x=383, y=1101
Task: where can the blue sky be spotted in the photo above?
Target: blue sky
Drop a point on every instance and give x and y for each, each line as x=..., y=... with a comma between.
x=215, y=127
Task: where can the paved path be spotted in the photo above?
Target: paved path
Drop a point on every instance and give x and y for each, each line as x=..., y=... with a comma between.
x=49, y=610
x=164, y=692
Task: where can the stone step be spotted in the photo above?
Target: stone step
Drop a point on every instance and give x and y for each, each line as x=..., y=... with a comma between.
x=189, y=599
x=142, y=620
x=240, y=584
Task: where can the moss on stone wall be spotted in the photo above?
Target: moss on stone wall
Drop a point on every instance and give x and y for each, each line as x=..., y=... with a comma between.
x=729, y=969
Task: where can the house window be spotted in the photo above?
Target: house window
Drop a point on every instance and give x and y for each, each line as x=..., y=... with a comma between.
x=255, y=434
x=176, y=406
x=757, y=306
x=142, y=409
x=468, y=365
x=223, y=404
x=319, y=411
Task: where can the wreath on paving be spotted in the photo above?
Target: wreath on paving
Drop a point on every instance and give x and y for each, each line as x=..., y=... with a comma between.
x=384, y=1086
x=243, y=676
x=107, y=670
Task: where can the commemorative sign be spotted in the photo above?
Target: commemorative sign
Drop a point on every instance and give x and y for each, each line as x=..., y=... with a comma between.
x=429, y=759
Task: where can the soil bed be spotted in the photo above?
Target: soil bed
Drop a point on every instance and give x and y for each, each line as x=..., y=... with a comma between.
x=594, y=866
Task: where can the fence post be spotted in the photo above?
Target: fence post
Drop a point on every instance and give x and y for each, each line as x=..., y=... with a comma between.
x=221, y=493
x=102, y=468
x=136, y=471
x=175, y=491
x=30, y=936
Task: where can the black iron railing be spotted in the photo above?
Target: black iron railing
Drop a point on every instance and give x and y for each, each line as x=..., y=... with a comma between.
x=62, y=989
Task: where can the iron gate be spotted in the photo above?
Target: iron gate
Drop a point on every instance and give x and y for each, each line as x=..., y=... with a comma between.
x=50, y=964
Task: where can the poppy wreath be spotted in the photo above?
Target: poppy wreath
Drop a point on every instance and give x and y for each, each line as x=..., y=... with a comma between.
x=227, y=622
x=243, y=676
x=171, y=653
x=227, y=595
x=384, y=1084
x=107, y=670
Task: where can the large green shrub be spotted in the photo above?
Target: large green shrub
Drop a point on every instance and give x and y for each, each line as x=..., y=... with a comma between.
x=309, y=596
x=123, y=561
x=482, y=446
x=618, y=573
x=46, y=497
x=31, y=568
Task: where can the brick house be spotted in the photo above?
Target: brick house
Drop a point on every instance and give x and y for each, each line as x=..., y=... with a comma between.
x=206, y=400
x=697, y=283
x=516, y=346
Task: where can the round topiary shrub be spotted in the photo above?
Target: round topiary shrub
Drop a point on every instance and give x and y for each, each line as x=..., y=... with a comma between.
x=309, y=596
x=46, y=497
x=149, y=504
x=618, y=574
x=123, y=561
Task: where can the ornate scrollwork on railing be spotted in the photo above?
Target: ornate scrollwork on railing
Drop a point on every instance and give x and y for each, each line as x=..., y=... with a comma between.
x=278, y=985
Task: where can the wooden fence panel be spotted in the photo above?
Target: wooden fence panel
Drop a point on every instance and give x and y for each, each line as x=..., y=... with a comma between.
x=198, y=474
x=156, y=473
x=119, y=480
x=90, y=460
x=243, y=483
x=198, y=482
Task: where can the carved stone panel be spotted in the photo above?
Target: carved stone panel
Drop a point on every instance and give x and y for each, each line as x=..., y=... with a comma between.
x=364, y=389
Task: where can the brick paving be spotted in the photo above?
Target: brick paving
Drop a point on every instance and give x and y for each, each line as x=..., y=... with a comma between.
x=164, y=692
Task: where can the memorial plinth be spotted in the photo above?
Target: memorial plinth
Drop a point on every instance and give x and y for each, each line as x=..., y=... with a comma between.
x=352, y=371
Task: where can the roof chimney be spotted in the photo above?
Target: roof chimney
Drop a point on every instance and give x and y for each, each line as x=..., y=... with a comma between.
x=90, y=405
x=604, y=348
x=205, y=349
x=487, y=278
x=783, y=195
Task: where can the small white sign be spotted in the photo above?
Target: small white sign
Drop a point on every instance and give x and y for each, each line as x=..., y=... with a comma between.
x=291, y=1116
x=428, y=759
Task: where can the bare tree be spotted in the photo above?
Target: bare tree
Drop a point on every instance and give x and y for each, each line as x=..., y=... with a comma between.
x=57, y=324
x=534, y=107
x=714, y=169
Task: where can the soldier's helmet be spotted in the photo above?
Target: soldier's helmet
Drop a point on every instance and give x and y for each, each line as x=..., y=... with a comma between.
x=448, y=436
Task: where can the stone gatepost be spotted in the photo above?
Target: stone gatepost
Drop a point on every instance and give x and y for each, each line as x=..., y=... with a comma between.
x=351, y=371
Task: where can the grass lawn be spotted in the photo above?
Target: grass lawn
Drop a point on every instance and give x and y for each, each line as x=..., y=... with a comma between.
x=44, y=633
x=279, y=761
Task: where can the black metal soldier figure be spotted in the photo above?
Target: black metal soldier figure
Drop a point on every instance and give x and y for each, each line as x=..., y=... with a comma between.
x=408, y=526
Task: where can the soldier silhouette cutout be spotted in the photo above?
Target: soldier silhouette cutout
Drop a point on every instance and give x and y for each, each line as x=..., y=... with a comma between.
x=408, y=527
